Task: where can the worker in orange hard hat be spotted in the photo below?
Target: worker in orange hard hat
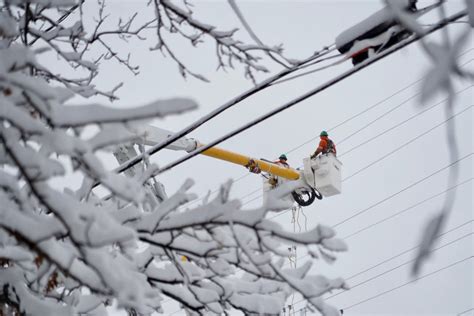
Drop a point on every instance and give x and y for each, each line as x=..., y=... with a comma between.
x=326, y=145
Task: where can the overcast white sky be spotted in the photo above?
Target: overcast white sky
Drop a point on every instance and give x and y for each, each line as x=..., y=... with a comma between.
x=304, y=27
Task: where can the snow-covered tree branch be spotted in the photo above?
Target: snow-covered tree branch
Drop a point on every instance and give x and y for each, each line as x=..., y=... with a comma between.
x=440, y=78
x=65, y=251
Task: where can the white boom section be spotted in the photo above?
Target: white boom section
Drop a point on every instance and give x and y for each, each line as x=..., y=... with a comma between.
x=155, y=135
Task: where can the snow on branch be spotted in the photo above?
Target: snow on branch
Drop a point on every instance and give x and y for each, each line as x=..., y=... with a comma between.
x=440, y=77
x=172, y=18
x=69, y=251
x=89, y=243
x=79, y=115
x=62, y=28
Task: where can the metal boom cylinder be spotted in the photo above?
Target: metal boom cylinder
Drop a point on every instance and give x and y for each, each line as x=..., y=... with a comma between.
x=287, y=173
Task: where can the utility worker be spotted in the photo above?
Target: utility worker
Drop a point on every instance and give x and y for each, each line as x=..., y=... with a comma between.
x=282, y=162
x=326, y=145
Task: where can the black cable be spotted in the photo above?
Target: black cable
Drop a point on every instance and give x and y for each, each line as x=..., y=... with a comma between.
x=465, y=311
x=402, y=190
x=400, y=265
x=295, y=101
x=406, y=209
x=365, y=126
x=409, y=282
x=397, y=256
x=266, y=83
x=404, y=121
x=376, y=105
x=334, y=127
x=407, y=143
x=372, y=163
x=403, y=211
x=408, y=250
x=391, y=110
x=340, y=61
x=405, y=251
x=245, y=175
x=386, y=155
x=382, y=133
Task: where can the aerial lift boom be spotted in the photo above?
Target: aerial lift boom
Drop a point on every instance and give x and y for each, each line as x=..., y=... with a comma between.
x=324, y=170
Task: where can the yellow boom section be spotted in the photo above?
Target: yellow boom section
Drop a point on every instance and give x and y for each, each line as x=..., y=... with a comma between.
x=287, y=173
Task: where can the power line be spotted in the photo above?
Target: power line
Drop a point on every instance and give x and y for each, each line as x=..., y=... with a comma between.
x=357, y=115
x=381, y=102
x=402, y=211
x=407, y=143
x=397, y=256
x=404, y=121
x=334, y=127
x=396, y=193
x=464, y=312
x=406, y=209
x=384, y=132
x=265, y=84
x=384, y=157
x=318, y=69
x=409, y=282
x=400, y=265
x=293, y=102
x=402, y=190
x=246, y=174
x=405, y=251
x=408, y=250
x=378, y=160
x=337, y=62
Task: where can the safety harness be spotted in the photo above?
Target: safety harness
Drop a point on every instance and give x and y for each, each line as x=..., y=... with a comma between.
x=329, y=148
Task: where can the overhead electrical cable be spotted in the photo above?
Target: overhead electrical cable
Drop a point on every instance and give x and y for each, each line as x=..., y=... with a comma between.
x=259, y=87
x=376, y=105
x=365, y=126
x=402, y=190
x=391, y=110
x=360, y=129
x=394, y=194
x=403, y=211
x=406, y=143
x=335, y=63
x=376, y=161
x=407, y=209
x=397, y=256
x=192, y=154
x=409, y=282
x=404, y=252
x=465, y=311
x=400, y=265
x=426, y=109
x=285, y=106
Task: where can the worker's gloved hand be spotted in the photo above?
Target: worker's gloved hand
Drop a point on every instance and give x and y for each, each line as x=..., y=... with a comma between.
x=313, y=156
